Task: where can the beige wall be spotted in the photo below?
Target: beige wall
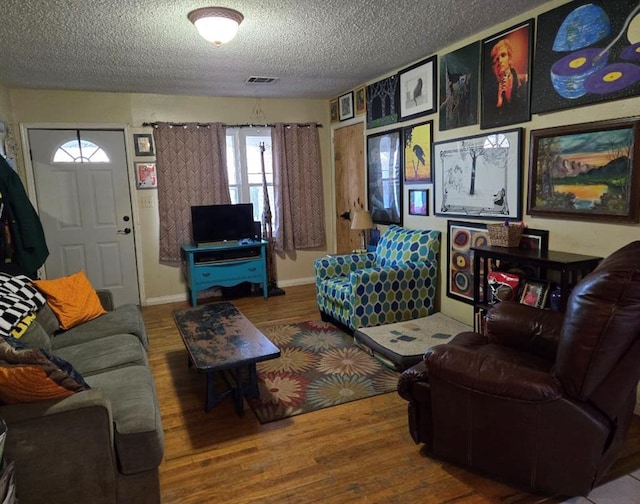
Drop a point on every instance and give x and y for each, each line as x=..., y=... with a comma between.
x=163, y=283
x=5, y=106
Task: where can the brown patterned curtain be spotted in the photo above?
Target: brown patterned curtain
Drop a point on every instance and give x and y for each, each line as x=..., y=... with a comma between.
x=191, y=161
x=297, y=179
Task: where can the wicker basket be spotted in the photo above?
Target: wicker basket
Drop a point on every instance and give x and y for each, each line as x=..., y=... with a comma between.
x=505, y=236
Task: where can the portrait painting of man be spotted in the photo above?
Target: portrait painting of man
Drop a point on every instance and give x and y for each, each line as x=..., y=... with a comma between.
x=506, y=70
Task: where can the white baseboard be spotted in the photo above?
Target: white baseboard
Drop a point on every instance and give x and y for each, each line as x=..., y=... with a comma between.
x=177, y=298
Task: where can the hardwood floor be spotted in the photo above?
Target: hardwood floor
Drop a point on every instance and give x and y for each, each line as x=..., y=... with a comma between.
x=357, y=452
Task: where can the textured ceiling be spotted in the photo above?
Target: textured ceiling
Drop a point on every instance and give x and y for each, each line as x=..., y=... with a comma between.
x=316, y=48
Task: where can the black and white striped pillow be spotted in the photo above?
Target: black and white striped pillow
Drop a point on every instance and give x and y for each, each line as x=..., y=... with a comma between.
x=18, y=298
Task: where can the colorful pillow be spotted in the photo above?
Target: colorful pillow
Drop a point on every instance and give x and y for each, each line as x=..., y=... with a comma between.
x=33, y=374
x=18, y=299
x=72, y=299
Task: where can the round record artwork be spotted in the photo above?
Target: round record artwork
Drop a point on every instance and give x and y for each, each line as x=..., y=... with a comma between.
x=570, y=36
x=570, y=72
x=612, y=78
x=631, y=53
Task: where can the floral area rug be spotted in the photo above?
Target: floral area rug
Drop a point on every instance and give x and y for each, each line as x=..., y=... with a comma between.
x=319, y=366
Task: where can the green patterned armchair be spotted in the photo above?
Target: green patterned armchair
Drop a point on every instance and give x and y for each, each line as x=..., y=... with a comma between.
x=397, y=282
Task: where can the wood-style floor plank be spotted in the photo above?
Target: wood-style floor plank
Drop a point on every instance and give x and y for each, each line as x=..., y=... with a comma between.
x=353, y=453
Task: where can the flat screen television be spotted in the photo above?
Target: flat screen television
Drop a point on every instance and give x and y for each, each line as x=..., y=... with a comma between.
x=222, y=223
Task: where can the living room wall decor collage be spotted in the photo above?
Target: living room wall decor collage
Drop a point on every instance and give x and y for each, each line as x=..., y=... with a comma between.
x=585, y=52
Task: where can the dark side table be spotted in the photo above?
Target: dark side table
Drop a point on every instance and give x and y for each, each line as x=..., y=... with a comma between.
x=571, y=268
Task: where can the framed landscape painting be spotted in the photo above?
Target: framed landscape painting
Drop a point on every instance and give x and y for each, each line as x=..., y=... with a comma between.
x=586, y=52
x=479, y=176
x=586, y=171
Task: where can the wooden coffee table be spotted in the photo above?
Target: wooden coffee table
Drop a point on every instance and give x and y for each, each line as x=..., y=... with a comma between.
x=222, y=343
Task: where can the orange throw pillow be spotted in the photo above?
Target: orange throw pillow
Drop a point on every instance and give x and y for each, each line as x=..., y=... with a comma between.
x=72, y=298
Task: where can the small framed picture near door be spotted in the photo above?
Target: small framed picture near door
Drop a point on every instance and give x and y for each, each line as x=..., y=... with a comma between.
x=146, y=177
x=143, y=144
x=345, y=104
x=418, y=202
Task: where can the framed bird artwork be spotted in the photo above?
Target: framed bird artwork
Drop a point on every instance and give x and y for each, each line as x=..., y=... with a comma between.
x=418, y=89
x=417, y=152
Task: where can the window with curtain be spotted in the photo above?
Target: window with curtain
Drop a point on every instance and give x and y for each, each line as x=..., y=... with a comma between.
x=244, y=167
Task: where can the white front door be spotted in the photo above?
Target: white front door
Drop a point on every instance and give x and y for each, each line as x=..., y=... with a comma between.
x=82, y=190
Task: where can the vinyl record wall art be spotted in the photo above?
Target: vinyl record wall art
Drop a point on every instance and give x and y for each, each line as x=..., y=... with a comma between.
x=587, y=52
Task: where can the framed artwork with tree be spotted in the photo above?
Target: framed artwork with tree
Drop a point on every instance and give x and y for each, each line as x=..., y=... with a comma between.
x=479, y=176
x=417, y=152
x=382, y=102
x=586, y=171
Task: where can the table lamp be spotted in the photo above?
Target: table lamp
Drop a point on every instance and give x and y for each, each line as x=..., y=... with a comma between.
x=362, y=221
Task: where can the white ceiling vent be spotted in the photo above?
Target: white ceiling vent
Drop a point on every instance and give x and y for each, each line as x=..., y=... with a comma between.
x=260, y=80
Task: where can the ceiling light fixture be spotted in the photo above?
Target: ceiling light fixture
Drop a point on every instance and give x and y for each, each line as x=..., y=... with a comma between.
x=216, y=24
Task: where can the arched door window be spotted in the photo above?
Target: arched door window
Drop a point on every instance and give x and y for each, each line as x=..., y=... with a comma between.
x=80, y=151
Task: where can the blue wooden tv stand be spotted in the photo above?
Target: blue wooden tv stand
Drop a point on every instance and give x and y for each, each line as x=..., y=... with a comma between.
x=225, y=265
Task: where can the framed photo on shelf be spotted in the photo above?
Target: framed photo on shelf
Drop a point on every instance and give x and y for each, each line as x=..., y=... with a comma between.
x=506, y=70
x=479, y=176
x=418, y=89
x=143, y=144
x=418, y=202
x=361, y=100
x=384, y=177
x=345, y=105
x=417, y=152
x=587, y=171
x=146, y=177
x=534, y=293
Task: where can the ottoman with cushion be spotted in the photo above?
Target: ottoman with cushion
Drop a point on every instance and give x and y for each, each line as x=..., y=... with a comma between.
x=403, y=344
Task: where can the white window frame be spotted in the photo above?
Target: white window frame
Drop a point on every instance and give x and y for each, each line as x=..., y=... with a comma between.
x=237, y=137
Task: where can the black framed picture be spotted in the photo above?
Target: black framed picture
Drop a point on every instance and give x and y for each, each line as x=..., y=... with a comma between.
x=418, y=86
x=143, y=144
x=384, y=177
x=587, y=52
x=459, y=84
x=479, y=176
x=419, y=202
x=345, y=105
x=506, y=71
x=382, y=102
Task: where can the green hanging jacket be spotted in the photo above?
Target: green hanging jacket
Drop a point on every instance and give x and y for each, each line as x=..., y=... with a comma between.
x=29, y=244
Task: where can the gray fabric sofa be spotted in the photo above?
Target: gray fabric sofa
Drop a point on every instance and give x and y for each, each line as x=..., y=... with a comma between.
x=102, y=445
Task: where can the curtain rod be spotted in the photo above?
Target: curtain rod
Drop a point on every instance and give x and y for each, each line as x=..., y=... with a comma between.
x=155, y=125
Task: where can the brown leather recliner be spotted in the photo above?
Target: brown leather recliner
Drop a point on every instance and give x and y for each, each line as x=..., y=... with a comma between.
x=545, y=399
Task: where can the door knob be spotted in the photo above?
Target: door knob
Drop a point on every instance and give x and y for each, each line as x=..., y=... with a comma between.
x=124, y=231
x=345, y=215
